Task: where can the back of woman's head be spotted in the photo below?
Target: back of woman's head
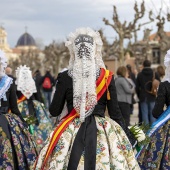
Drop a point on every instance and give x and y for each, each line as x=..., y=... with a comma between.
x=147, y=63
x=161, y=71
x=121, y=71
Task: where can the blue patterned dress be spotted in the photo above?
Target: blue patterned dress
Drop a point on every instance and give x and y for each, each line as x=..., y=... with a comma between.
x=17, y=149
x=43, y=126
x=156, y=155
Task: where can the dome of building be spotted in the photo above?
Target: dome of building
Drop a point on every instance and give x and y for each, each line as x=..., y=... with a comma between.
x=26, y=40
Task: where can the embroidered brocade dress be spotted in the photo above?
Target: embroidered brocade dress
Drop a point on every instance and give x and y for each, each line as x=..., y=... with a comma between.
x=17, y=149
x=98, y=143
x=43, y=125
x=156, y=155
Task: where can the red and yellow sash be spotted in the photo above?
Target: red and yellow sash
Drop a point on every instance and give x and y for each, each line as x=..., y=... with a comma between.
x=22, y=98
x=101, y=86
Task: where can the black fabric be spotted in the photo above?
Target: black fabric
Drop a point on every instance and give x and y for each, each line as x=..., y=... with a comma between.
x=143, y=77
x=11, y=102
x=85, y=140
x=38, y=95
x=3, y=110
x=125, y=109
x=31, y=110
x=163, y=98
x=132, y=77
x=5, y=126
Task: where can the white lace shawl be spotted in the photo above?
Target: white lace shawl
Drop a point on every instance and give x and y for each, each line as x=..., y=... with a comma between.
x=5, y=83
x=167, y=65
x=24, y=81
x=3, y=63
x=84, y=72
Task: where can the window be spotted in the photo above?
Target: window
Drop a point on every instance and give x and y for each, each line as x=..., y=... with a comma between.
x=156, y=56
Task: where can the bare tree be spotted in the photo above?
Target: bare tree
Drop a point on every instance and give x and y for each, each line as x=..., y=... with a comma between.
x=30, y=58
x=125, y=30
x=106, y=45
x=56, y=56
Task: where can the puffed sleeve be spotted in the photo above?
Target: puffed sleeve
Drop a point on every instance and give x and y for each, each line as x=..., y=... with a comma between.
x=58, y=101
x=13, y=100
x=115, y=113
x=160, y=101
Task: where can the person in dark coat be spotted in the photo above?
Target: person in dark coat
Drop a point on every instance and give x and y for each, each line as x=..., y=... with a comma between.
x=85, y=138
x=146, y=99
x=47, y=90
x=38, y=79
x=131, y=75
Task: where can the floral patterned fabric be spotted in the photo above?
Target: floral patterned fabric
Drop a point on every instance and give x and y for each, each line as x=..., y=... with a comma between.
x=22, y=144
x=45, y=126
x=156, y=155
x=114, y=150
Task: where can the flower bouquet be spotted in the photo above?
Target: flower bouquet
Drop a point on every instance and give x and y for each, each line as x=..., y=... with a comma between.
x=139, y=131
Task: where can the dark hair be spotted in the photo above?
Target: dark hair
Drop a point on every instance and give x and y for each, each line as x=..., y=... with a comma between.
x=128, y=66
x=161, y=71
x=147, y=63
x=37, y=71
x=121, y=71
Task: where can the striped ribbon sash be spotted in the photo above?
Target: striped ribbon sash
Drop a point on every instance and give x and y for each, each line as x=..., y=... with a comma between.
x=21, y=99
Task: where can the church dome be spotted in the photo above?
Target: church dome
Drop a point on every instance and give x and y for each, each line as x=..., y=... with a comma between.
x=26, y=40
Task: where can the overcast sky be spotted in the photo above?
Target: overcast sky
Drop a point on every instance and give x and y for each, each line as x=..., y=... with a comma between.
x=50, y=20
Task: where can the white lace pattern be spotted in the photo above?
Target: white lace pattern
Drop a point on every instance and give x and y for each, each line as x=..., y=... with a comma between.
x=167, y=65
x=84, y=65
x=5, y=84
x=25, y=82
x=3, y=63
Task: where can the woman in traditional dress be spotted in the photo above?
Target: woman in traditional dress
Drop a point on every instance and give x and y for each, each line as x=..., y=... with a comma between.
x=31, y=109
x=85, y=138
x=17, y=150
x=156, y=154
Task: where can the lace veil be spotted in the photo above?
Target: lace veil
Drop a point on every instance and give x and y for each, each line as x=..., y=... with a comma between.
x=24, y=81
x=167, y=65
x=84, y=68
x=5, y=81
x=3, y=63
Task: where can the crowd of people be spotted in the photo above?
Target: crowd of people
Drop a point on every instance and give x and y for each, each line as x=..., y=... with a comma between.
x=82, y=137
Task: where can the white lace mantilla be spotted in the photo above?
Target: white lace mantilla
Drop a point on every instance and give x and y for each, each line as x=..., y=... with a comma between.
x=85, y=62
x=167, y=65
x=5, y=84
x=3, y=63
x=25, y=83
